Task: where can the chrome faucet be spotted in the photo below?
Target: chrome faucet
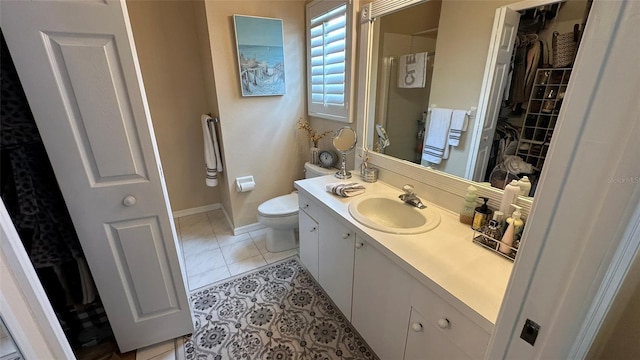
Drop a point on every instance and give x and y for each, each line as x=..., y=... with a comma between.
x=410, y=197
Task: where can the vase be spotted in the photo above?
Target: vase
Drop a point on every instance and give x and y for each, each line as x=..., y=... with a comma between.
x=313, y=155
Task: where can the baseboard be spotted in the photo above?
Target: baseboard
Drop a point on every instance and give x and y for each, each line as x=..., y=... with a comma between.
x=197, y=210
x=202, y=209
x=247, y=228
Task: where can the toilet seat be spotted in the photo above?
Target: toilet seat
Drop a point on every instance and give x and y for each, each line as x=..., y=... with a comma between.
x=280, y=206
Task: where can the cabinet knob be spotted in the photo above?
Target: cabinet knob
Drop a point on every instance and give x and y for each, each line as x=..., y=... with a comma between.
x=313, y=229
x=417, y=327
x=443, y=323
x=345, y=235
x=129, y=200
x=359, y=245
x=305, y=206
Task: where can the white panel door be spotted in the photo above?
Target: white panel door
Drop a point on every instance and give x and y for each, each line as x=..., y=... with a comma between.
x=506, y=27
x=78, y=67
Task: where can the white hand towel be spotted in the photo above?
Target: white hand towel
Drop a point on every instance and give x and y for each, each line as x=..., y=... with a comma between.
x=345, y=190
x=435, y=142
x=211, y=151
x=412, y=70
x=458, y=125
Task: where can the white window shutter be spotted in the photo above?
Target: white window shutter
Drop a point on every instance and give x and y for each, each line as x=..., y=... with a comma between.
x=329, y=66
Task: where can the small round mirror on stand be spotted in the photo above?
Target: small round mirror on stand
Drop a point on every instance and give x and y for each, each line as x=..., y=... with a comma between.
x=344, y=141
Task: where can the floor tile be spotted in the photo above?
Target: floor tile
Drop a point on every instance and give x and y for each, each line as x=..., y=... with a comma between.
x=261, y=243
x=195, y=227
x=199, y=262
x=193, y=246
x=149, y=352
x=239, y=251
x=208, y=277
x=218, y=222
x=226, y=237
x=247, y=265
x=273, y=257
x=169, y=355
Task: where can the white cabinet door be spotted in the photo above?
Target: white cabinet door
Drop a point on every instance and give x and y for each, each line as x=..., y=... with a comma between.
x=424, y=342
x=381, y=301
x=77, y=64
x=336, y=249
x=308, y=229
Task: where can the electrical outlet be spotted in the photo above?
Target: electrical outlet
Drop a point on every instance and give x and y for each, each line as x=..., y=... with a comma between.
x=530, y=331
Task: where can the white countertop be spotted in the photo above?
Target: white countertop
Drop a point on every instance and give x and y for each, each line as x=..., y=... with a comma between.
x=444, y=258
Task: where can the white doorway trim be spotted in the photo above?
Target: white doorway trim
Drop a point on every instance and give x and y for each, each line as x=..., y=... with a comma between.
x=23, y=303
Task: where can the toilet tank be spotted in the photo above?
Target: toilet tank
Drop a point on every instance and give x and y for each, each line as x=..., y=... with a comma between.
x=311, y=170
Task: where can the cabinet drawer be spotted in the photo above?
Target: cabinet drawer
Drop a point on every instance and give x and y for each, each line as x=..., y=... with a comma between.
x=425, y=342
x=308, y=206
x=460, y=330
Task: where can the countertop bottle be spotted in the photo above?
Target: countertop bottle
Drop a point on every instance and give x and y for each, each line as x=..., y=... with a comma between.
x=510, y=195
x=525, y=186
x=515, y=225
x=481, y=215
x=466, y=214
x=492, y=232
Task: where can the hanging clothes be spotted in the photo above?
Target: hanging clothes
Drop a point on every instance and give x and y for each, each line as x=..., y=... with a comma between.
x=29, y=187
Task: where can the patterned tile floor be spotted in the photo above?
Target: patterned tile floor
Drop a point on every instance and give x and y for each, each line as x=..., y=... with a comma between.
x=212, y=253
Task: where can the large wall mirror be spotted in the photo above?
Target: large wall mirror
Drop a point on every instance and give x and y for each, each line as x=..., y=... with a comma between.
x=504, y=70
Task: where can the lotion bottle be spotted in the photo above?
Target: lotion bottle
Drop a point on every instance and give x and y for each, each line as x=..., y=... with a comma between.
x=511, y=192
x=466, y=214
x=515, y=225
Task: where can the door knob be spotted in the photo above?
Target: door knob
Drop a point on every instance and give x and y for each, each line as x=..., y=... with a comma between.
x=417, y=327
x=129, y=200
x=443, y=323
x=359, y=245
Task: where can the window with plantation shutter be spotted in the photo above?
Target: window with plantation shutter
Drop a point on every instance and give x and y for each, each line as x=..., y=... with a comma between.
x=329, y=46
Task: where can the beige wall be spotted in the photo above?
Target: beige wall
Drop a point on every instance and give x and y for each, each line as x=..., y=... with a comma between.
x=259, y=134
x=166, y=40
x=464, y=35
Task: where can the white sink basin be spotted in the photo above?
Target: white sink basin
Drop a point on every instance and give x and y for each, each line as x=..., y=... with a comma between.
x=390, y=214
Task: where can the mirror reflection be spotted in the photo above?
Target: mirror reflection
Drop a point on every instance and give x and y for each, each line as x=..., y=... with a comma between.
x=429, y=61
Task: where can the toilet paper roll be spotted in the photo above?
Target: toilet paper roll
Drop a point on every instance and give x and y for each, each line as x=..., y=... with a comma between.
x=245, y=186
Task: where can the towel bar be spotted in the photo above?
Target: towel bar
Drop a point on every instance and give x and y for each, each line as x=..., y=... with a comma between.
x=471, y=114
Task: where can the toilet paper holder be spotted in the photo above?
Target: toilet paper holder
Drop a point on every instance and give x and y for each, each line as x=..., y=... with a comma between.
x=245, y=183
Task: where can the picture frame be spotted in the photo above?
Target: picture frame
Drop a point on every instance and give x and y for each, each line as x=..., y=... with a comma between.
x=260, y=51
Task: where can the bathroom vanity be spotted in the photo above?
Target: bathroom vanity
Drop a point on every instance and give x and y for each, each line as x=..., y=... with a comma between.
x=412, y=296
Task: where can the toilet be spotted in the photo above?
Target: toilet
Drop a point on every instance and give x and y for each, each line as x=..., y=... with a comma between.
x=280, y=214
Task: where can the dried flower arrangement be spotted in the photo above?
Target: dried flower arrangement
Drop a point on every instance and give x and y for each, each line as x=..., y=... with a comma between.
x=312, y=133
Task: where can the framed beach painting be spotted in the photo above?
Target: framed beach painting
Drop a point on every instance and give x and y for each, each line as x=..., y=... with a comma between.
x=260, y=46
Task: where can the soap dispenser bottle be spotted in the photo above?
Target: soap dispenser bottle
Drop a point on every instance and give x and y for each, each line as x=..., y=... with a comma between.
x=515, y=226
x=466, y=214
x=481, y=215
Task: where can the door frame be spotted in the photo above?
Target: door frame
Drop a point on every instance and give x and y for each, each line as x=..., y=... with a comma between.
x=30, y=318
